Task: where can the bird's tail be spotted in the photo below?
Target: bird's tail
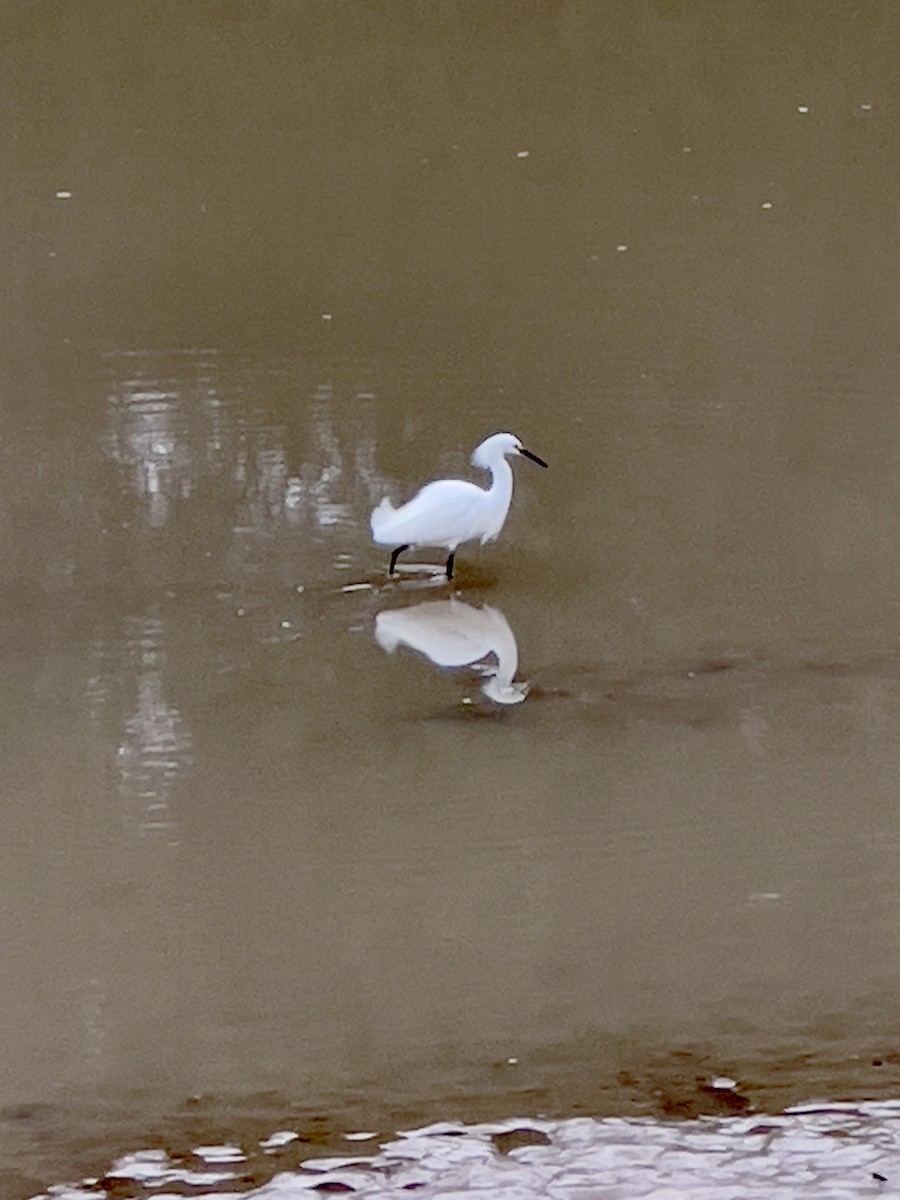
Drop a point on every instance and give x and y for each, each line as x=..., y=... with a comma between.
x=380, y=517
x=386, y=633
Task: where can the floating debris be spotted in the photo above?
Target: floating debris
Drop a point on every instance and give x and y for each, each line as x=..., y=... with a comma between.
x=220, y=1154
x=281, y=1138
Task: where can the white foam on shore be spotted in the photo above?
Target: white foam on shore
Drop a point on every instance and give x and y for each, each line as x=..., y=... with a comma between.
x=817, y=1151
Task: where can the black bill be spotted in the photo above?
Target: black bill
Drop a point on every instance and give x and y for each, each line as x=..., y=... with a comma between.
x=534, y=458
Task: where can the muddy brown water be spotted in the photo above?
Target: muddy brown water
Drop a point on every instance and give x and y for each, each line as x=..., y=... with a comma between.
x=266, y=262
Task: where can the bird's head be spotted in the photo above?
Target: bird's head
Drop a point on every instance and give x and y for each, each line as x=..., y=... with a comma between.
x=497, y=446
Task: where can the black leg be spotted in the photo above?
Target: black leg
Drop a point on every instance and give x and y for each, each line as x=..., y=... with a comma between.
x=450, y=565
x=394, y=556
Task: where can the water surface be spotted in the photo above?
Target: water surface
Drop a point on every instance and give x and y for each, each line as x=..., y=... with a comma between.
x=270, y=262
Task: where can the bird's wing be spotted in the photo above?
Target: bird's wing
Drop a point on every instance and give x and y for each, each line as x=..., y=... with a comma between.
x=443, y=513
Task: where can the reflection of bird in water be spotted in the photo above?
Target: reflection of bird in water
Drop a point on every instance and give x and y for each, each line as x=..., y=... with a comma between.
x=449, y=512
x=454, y=634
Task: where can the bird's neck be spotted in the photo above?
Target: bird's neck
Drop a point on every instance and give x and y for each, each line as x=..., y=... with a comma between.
x=501, y=489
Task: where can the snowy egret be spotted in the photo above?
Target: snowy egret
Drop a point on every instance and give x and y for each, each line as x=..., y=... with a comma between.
x=454, y=634
x=449, y=512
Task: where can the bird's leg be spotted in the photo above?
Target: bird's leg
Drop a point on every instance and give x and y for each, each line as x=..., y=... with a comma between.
x=450, y=565
x=394, y=556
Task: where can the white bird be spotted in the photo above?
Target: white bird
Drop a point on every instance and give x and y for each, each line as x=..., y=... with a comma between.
x=449, y=512
x=453, y=634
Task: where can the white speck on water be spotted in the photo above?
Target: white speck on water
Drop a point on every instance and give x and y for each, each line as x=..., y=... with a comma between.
x=220, y=1154
x=767, y=204
x=513, y=1062
x=692, y=674
x=866, y=107
x=64, y=195
x=285, y=624
x=522, y=153
x=240, y=612
x=300, y=588
x=621, y=247
x=686, y=149
x=326, y=316
x=143, y=1164
x=280, y=1138
x=52, y=254
x=802, y=108
x=723, y=1084
x=763, y=897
